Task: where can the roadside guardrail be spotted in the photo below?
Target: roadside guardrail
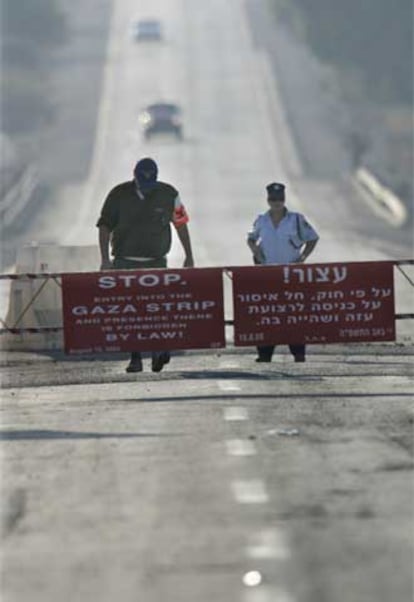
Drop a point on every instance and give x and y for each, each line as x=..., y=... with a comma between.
x=18, y=196
x=381, y=199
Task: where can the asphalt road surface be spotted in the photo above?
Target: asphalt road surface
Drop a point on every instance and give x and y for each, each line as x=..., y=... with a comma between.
x=219, y=477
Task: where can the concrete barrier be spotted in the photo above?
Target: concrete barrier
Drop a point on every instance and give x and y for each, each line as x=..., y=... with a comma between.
x=37, y=303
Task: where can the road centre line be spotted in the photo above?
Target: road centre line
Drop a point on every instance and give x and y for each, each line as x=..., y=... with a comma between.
x=228, y=385
x=267, y=594
x=235, y=414
x=251, y=491
x=228, y=365
x=240, y=447
x=269, y=544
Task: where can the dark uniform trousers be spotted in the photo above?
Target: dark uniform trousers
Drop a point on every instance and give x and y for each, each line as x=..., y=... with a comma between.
x=265, y=352
x=121, y=263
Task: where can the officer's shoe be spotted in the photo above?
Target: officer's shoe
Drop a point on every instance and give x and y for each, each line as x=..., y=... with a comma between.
x=264, y=358
x=300, y=357
x=135, y=365
x=159, y=360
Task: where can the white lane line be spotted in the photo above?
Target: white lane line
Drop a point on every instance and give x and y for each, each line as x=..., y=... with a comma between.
x=240, y=447
x=235, y=414
x=104, y=111
x=228, y=385
x=251, y=491
x=229, y=365
x=252, y=578
x=269, y=544
x=264, y=593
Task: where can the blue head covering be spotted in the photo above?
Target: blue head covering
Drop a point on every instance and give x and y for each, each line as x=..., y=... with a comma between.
x=145, y=174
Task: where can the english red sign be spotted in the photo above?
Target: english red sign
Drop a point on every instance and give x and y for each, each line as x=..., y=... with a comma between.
x=143, y=310
x=315, y=303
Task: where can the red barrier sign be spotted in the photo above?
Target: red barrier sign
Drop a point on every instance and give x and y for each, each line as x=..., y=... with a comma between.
x=143, y=310
x=318, y=303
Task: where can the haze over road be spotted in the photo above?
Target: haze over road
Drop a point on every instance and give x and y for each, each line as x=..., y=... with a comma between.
x=218, y=478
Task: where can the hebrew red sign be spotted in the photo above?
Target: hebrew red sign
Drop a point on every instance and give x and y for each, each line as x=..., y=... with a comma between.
x=315, y=303
x=143, y=310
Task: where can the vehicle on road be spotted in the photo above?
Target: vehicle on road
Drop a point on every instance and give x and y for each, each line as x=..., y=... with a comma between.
x=147, y=30
x=161, y=118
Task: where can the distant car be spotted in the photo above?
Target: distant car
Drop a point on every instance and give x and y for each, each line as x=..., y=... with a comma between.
x=162, y=117
x=147, y=30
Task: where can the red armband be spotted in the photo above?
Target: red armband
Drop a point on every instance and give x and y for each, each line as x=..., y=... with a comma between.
x=180, y=216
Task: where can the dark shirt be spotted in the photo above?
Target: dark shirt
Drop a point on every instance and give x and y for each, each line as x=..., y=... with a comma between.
x=140, y=227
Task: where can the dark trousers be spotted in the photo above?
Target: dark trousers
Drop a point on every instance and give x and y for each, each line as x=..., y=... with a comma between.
x=120, y=263
x=266, y=351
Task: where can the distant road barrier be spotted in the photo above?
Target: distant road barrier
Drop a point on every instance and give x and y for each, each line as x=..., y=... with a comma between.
x=102, y=311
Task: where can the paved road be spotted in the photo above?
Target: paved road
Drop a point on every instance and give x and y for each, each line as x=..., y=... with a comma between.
x=180, y=485
x=175, y=486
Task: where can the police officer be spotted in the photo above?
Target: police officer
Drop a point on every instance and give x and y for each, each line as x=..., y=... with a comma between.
x=280, y=236
x=135, y=221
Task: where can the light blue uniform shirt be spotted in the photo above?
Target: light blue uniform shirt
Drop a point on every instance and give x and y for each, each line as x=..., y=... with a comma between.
x=282, y=243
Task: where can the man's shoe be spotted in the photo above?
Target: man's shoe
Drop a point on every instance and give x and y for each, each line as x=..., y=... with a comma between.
x=300, y=357
x=263, y=358
x=159, y=360
x=134, y=366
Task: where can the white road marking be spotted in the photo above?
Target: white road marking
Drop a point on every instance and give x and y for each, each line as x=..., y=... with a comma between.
x=228, y=385
x=267, y=594
x=252, y=491
x=235, y=414
x=252, y=578
x=240, y=447
x=229, y=365
x=269, y=544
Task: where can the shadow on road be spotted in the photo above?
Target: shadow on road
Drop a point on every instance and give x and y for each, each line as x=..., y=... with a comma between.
x=257, y=396
x=32, y=435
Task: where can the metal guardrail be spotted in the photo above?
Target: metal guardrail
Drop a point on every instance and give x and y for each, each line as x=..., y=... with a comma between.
x=381, y=199
x=56, y=276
